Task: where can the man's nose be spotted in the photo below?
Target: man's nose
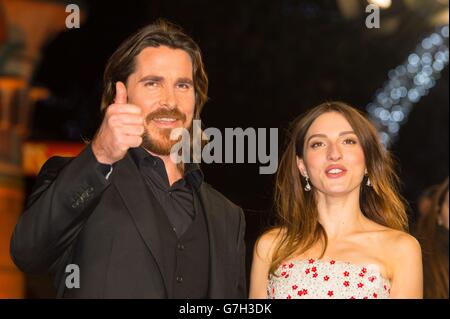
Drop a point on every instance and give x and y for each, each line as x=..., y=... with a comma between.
x=168, y=98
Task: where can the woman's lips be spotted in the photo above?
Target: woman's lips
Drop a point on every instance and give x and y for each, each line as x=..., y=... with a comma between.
x=335, y=171
x=335, y=175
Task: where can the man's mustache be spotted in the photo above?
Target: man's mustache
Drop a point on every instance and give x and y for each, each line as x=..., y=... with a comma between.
x=159, y=113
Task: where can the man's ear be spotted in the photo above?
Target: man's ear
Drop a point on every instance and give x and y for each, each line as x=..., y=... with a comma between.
x=301, y=166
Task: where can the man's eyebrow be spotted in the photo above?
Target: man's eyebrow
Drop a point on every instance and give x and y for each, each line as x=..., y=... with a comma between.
x=185, y=80
x=157, y=78
x=323, y=135
x=154, y=78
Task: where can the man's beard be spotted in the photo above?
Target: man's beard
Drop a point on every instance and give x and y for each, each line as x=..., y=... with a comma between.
x=159, y=142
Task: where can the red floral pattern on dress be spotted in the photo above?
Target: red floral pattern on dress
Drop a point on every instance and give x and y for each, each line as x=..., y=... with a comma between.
x=339, y=280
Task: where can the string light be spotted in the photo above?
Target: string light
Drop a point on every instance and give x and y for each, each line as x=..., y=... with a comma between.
x=408, y=83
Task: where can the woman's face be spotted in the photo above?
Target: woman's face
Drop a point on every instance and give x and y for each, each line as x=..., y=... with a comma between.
x=444, y=212
x=333, y=157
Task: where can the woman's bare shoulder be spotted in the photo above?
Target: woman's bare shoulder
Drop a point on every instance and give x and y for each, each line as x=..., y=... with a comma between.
x=400, y=240
x=399, y=247
x=267, y=242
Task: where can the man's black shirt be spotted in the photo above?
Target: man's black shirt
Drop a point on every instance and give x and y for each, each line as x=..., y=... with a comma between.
x=177, y=200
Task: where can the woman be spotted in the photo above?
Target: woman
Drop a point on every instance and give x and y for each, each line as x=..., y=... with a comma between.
x=341, y=222
x=433, y=234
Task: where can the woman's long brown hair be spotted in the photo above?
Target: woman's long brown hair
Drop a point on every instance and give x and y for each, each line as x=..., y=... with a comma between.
x=435, y=253
x=297, y=210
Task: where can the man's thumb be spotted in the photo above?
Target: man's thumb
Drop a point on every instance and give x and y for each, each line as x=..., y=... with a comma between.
x=121, y=93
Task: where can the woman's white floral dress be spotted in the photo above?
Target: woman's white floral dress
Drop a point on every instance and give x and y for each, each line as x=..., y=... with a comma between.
x=318, y=279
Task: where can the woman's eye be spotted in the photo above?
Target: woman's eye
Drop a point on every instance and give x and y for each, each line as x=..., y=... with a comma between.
x=316, y=144
x=349, y=141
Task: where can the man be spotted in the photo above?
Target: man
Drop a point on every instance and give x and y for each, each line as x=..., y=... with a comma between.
x=135, y=223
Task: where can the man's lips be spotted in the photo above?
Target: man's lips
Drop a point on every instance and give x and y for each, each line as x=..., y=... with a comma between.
x=166, y=118
x=335, y=171
x=165, y=121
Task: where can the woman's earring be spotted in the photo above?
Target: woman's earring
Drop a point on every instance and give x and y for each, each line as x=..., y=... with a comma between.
x=368, y=183
x=307, y=186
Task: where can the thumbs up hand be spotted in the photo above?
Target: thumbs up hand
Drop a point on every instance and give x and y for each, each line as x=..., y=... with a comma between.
x=121, y=129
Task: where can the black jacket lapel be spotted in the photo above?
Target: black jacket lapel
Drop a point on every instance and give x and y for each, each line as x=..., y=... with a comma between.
x=142, y=207
x=216, y=233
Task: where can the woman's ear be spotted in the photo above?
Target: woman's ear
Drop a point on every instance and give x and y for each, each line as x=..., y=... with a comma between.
x=301, y=166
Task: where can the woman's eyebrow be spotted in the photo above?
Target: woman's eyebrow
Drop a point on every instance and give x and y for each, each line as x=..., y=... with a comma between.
x=324, y=135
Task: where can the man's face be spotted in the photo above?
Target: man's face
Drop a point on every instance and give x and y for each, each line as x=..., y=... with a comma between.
x=162, y=86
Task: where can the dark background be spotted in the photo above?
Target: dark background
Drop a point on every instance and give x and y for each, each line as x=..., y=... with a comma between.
x=267, y=61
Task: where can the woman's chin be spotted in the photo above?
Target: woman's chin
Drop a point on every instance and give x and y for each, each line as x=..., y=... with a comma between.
x=338, y=190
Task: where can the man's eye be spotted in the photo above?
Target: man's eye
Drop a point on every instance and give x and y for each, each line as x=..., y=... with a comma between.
x=151, y=84
x=184, y=86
